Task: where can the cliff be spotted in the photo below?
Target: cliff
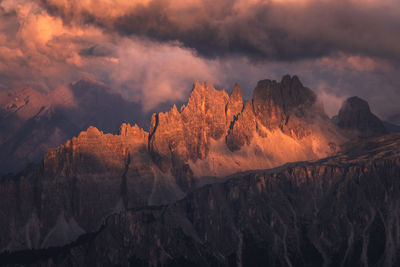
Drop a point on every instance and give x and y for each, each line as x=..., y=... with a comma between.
x=338, y=211
x=215, y=135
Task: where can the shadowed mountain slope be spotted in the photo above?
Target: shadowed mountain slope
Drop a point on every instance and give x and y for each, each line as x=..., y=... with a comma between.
x=215, y=135
x=356, y=118
x=338, y=211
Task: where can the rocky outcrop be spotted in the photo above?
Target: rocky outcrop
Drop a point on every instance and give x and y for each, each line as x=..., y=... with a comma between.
x=235, y=105
x=286, y=105
x=179, y=137
x=356, y=118
x=276, y=103
x=242, y=129
x=78, y=185
x=31, y=122
x=216, y=135
x=95, y=152
x=182, y=136
x=339, y=211
x=213, y=136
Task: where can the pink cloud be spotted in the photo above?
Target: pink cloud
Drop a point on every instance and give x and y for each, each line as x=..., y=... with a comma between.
x=343, y=62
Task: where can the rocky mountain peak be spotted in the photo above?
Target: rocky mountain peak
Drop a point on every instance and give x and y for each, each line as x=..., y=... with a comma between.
x=213, y=136
x=355, y=104
x=235, y=103
x=291, y=82
x=92, y=132
x=176, y=137
x=201, y=138
x=203, y=99
x=285, y=107
x=174, y=110
x=93, y=151
x=126, y=130
x=236, y=94
x=356, y=117
x=275, y=102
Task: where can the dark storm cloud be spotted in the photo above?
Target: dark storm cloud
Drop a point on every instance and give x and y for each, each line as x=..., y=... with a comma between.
x=151, y=51
x=284, y=30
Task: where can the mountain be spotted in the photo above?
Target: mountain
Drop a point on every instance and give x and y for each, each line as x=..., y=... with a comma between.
x=339, y=211
x=31, y=122
x=215, y=135
x=356, y=118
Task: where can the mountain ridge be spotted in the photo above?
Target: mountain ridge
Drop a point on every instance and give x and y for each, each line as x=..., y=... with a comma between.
x=214, y=135
x=298, y=215
x=31, y=122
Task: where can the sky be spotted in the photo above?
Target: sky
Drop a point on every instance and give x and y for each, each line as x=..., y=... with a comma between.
x=151, y=51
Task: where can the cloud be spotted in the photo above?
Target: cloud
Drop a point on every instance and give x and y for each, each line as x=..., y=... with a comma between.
x=37, y=49
x=269, y=29
x=159, y=73
x=42, y=51
x=355, y=63
x=151, y=51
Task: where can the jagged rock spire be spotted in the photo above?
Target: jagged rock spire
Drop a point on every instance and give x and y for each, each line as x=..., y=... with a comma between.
x=273, y=101
x=235, y=104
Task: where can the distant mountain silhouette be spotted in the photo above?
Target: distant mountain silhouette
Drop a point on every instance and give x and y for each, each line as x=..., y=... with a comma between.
x=356, y=118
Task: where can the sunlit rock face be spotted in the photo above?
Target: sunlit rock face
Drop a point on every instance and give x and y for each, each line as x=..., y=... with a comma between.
x=78, y=184
x=235, y=105
x=31, y=122
x=105, y=173
x=338, y=211
x=184, y=135
x=277, y=104
x=356, y=118
x=94, y=174
x=283, y=122
x=179, y=137
x=287, y=106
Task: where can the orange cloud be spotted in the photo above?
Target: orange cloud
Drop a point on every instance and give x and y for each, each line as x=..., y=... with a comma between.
x=151, y=51
x=45, y=52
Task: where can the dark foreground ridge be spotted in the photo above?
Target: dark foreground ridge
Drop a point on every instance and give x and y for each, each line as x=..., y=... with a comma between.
x=29, y=256
x=339, y=211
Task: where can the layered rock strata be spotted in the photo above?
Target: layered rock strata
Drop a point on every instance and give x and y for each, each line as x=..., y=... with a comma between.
x=78, y=184
x=95, y=174
x=339, y=211
x=217, y=134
